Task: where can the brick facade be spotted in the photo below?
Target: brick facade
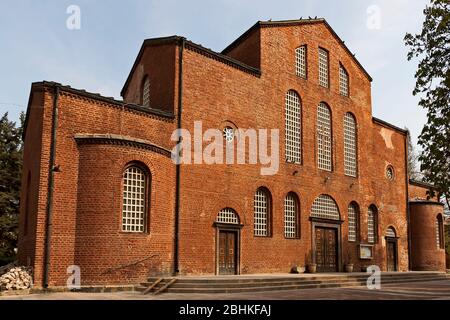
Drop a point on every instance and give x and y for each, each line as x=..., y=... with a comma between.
x=244, y=87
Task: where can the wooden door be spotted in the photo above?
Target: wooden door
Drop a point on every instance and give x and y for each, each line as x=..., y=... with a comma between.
x=391, y=246
x=326, y=250
x=227, y=252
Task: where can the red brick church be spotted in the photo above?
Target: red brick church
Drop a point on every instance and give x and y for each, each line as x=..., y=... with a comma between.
x=101, y=190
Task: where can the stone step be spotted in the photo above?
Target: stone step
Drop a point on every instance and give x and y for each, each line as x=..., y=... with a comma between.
x=277, y=286
x=245, y=281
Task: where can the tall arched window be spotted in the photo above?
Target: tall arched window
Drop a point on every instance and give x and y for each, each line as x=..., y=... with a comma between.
x=262, y=207
x=300, y=61
x=350, y=145
x=323, y=68
x=353, y=221
x=439, y=232
x=134, y=205
x=146, y=92
x=343, y=81
x=293, y=127
x=291, y=216
x=372, y=224
x=325, y=207
x=324, y=138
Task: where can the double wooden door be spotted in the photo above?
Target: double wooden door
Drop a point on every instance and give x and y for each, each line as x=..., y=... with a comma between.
x=326, y=249
x=227, y=252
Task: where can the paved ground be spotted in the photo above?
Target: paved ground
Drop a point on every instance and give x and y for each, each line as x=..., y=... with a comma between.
x=436, y=290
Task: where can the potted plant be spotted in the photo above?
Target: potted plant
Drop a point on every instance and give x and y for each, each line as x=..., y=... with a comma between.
x=311, y=267
x=348, y=262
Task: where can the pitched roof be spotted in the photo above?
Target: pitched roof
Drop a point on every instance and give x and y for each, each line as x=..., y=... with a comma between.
x=283, y=23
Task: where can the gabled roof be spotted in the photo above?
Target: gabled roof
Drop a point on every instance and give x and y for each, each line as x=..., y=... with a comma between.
x=284, y=23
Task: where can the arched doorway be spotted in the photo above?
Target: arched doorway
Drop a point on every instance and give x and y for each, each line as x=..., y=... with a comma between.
x=326, y=234
x=227, y=242
x=391, y=249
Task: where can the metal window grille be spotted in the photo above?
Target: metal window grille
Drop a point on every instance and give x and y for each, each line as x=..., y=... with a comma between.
x=293, y=127
x=352, y=222
x=390, y=232
x=390, y=173
x=324, y=137
x=300, y=61
x=133, y=210
x=227, y=215
x=350, y=165
x=323, y=68
x=438, y=233
x=371, y=225
x=325, y=207
x=290, y=217
x=343, y=81
x=146, y=93
x=261, y=213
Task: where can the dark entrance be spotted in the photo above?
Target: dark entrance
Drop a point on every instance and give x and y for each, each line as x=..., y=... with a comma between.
x=227, y=252
x=326, y=249
x=391, y=247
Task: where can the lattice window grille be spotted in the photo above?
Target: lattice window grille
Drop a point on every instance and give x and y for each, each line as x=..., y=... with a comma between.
x=438, y=233
x=146, y=93
x=352, y=222
x=227, y=215
x=293, y=127
x=324, y=142
x=343, y=81
x=390, y=232
x=350, y=165
x=323, y=68
x=325, y=207
x=133, y=210
x=261, y=213
x=371, y=225
x=290, y=217
x=300, y=61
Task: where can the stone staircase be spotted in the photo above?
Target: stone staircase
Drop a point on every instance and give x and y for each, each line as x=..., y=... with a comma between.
x=260, y=283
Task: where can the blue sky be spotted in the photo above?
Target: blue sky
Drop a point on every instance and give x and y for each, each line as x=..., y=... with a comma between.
x=36, y=45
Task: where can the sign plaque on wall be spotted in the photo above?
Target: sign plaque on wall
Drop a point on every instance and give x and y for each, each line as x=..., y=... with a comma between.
x=365, y=251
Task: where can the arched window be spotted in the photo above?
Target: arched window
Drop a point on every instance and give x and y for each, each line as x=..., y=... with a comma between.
x=262, y=213
x=353, y=221
x=291, y=216
x=227, y=215
x=372, y=224
x=343, y=81
x=134, y=207
x=350, y=145
x=323, y=68
x=300, y=62
x=390, y=232
x=324, y=139
x=325, y=207
x=293, y=127
x=439, y=232
x=146, y=92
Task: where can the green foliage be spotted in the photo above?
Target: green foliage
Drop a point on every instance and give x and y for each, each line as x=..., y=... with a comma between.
x=432, y=48
x=10, y=180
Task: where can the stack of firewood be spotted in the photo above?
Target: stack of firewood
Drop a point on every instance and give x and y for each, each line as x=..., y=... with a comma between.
x=15, y=278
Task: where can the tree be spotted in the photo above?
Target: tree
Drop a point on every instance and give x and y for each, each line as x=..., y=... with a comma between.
x=10, y=180
x=432, y=47
x=413, y=173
